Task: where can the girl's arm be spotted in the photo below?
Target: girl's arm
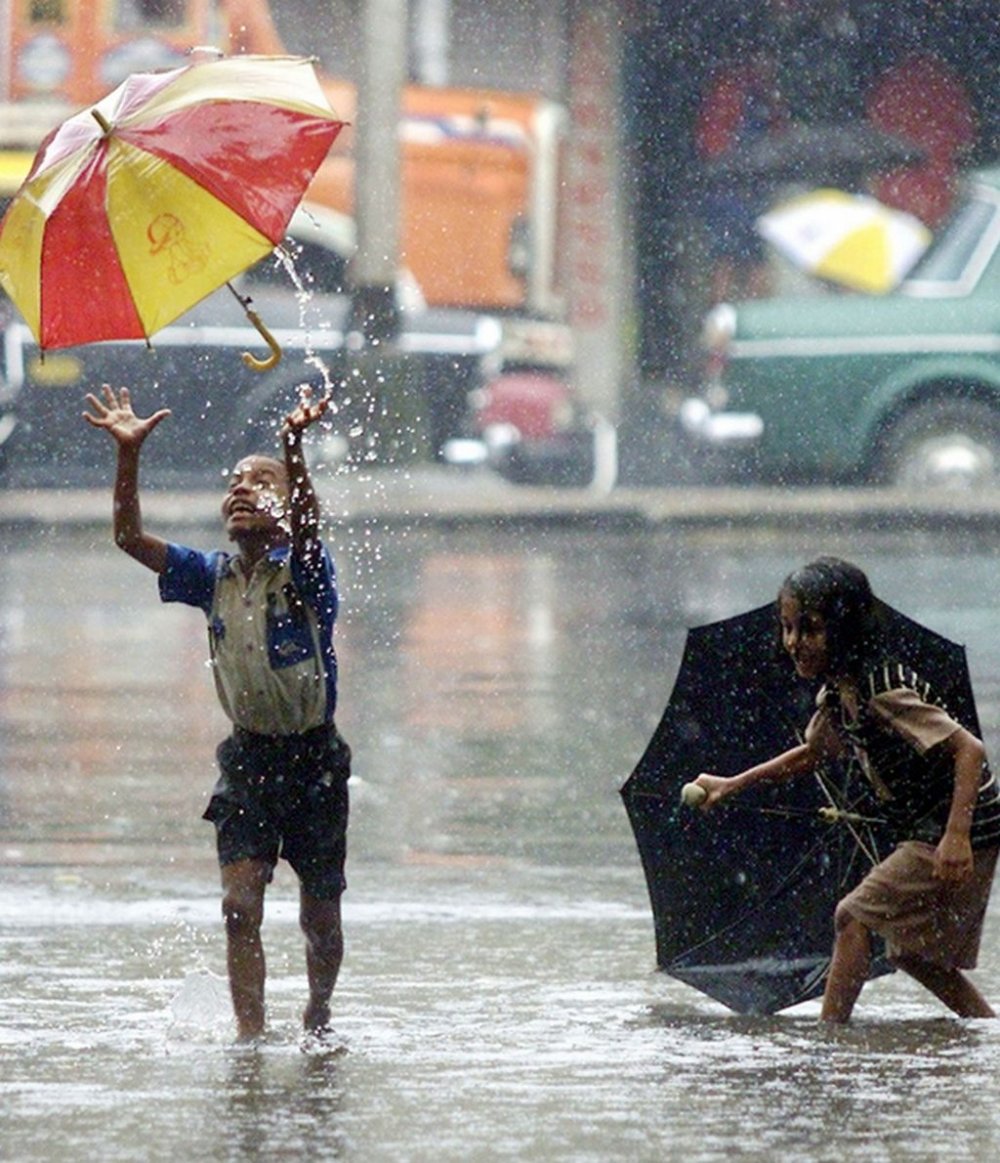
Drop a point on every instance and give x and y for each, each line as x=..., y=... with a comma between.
x=797, y=761
x=953, y=858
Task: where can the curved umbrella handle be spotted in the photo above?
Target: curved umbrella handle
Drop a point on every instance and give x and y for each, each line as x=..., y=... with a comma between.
x=262, y=365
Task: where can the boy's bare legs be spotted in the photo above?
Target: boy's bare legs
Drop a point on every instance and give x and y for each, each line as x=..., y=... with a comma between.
x=948, y=985
x=848, y=969
x=320, y=921
x=243, y=885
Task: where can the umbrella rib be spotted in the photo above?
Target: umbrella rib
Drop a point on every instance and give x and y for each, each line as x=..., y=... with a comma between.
x=869, y=851
x=829, y=813
x=757, y=907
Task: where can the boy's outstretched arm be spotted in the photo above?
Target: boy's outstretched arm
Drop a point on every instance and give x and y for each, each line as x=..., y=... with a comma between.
x=302, y=500
x=114, y=414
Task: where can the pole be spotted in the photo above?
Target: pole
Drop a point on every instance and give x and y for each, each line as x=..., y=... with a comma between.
x=386, y=386
x=377, y=170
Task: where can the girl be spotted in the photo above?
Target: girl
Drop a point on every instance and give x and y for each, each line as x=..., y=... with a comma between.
x=928, y=898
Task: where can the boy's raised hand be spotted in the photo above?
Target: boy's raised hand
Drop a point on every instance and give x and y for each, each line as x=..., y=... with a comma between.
x=306, y=412
x=114, y=413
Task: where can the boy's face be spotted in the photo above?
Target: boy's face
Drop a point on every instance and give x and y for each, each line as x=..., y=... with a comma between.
x=257, y=498
x=803, y=635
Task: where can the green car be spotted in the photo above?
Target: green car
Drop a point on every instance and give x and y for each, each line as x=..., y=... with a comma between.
x=900, y=389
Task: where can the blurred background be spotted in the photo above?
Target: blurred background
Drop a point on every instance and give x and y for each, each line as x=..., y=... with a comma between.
x=577, y=183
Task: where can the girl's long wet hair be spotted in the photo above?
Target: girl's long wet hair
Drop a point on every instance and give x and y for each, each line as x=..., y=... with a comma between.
x=842, y=594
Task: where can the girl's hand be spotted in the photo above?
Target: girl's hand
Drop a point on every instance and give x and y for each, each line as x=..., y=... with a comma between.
x=953, y=858
x=114, y=414
x=307, y=412
x=717, y=786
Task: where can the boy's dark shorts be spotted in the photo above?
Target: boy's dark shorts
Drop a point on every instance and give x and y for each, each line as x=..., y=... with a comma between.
x=285, y=795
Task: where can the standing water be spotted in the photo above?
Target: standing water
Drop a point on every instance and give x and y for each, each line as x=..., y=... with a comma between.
x=498, y=999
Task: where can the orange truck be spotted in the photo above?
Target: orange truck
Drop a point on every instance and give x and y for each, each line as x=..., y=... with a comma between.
x=481, y=174
x=480, y=169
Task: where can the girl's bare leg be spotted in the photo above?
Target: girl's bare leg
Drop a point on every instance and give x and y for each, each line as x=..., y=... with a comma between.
x=848, y=969
x=950, y=986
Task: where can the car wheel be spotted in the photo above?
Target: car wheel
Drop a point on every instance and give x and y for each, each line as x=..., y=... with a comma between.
x=943, y=444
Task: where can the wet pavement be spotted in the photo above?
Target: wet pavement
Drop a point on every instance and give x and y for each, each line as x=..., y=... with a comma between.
x=424, y=494
x=498, y=999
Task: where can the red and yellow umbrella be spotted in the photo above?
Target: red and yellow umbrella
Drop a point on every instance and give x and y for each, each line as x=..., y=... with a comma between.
x=136, y=209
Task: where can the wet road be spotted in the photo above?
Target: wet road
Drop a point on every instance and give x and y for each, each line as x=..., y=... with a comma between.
x=498, y=999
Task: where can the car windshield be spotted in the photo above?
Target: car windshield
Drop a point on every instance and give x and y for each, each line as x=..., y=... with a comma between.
x=954, y=247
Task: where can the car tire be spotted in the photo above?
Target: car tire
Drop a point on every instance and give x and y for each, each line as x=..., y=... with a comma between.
x=943, y=443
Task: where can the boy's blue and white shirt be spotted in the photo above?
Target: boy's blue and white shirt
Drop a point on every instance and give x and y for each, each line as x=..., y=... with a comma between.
x=270, y=633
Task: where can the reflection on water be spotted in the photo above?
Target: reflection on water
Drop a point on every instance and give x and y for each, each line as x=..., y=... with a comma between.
x=285, y=1107
x=497, y=999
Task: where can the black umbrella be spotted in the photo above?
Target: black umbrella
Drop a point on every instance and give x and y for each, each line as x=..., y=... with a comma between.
x=743, y=896
x=822, y=154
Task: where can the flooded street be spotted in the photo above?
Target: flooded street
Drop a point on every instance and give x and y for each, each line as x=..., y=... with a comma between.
x=498, y=999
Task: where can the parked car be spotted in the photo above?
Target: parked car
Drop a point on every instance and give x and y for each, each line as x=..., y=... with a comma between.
x=222, y=409
x=902, y=388
x=466, y=378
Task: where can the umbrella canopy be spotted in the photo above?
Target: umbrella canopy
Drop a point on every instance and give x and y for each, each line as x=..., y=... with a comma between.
x=849, y=238
x=136, y=209
x=817, y=155
x=743, y=897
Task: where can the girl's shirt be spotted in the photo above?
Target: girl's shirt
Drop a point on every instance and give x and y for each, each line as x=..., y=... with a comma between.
x=895, y=734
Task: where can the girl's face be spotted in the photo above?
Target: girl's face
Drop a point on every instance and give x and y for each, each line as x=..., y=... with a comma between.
x=803, y=635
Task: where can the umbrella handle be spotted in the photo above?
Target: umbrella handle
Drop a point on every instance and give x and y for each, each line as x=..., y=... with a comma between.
x=262, y=365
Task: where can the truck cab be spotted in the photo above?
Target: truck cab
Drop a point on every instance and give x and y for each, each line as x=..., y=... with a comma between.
x=482, y=184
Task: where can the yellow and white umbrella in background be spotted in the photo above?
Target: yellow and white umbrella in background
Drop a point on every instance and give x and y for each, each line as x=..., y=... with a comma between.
x=850, y=239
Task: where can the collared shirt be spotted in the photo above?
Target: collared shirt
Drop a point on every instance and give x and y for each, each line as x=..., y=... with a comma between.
x=270, y=633
x=896, y=734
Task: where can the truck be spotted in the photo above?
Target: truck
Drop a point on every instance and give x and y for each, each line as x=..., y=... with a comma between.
x=481, y=173
x=899, y=389
x=481, y=168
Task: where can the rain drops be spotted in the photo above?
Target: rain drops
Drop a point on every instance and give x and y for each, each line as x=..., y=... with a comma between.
x=269, y=501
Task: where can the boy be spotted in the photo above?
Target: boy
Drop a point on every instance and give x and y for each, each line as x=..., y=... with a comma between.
x=282, y=788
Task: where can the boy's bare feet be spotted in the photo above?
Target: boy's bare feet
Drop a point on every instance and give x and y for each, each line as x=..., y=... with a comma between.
x=316, y=1018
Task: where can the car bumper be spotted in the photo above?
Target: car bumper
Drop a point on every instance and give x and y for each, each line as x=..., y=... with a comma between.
x=719, y=428
x=579, y=458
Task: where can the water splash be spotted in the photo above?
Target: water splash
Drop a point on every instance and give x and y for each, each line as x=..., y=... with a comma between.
x=303, y=297
x=202, y=1006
